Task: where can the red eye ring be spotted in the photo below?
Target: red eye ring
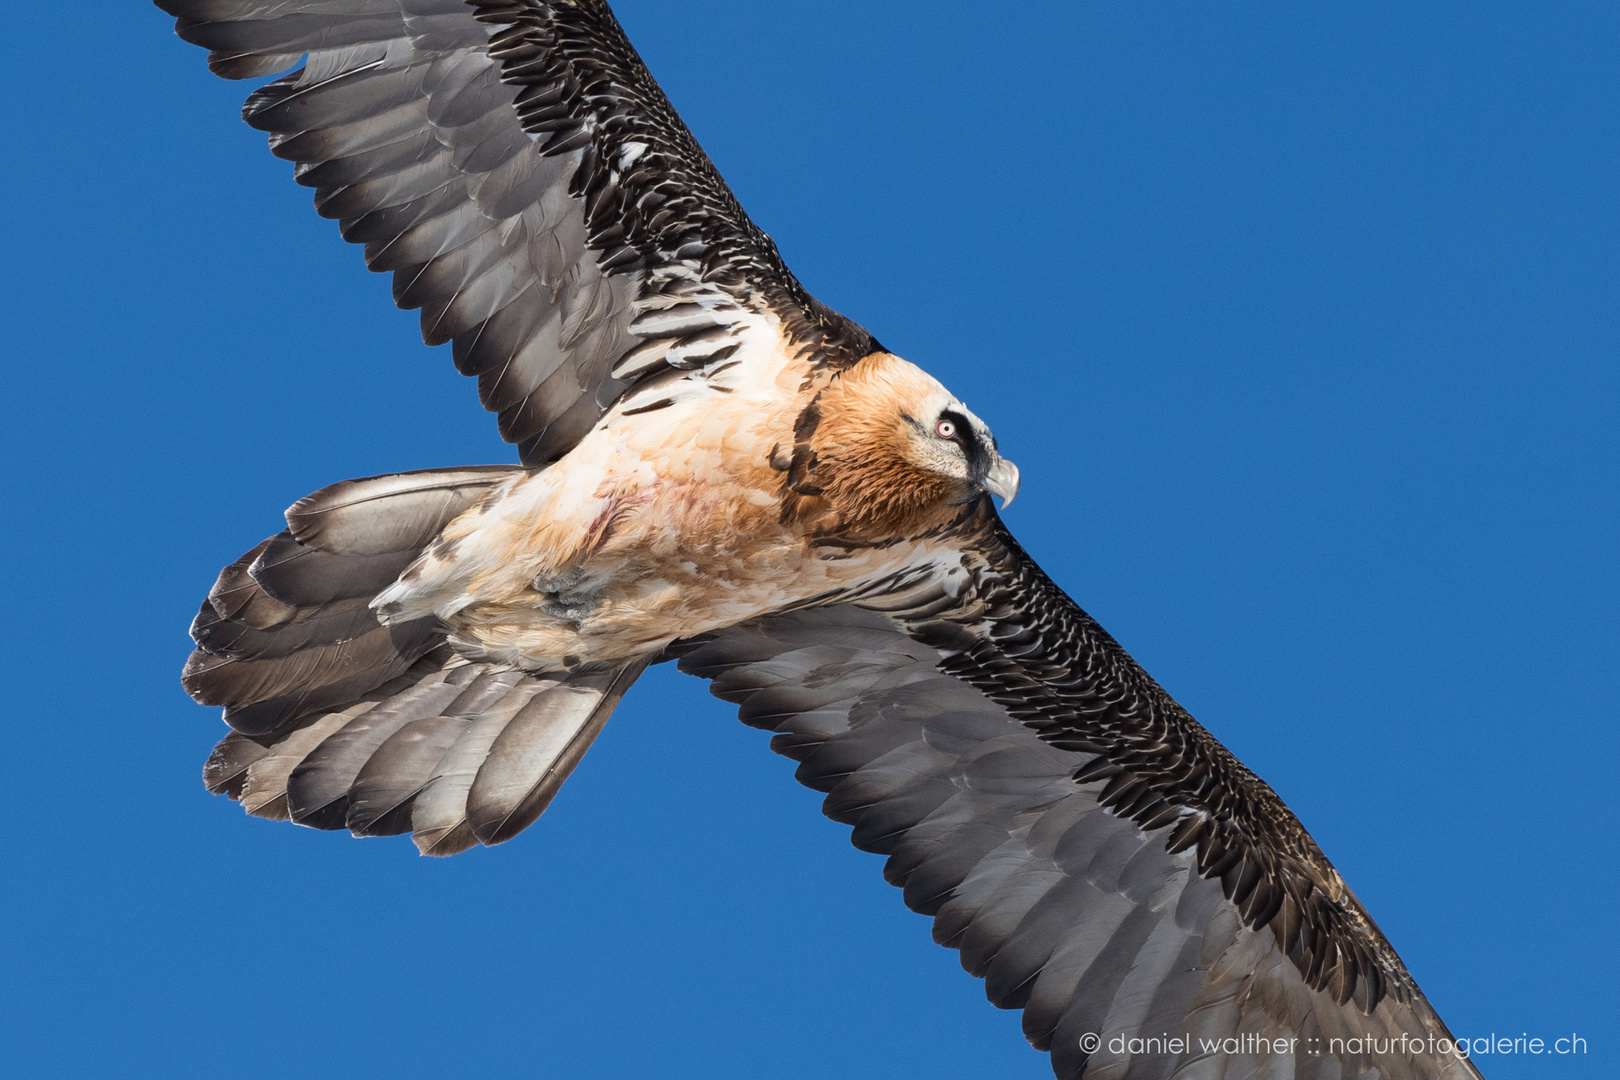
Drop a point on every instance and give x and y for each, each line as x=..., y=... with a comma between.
x=945, y=429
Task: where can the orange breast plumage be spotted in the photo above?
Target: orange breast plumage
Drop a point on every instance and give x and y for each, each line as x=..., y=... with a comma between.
x=669, y=522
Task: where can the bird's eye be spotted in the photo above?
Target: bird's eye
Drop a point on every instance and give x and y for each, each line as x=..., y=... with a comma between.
x=945, y=429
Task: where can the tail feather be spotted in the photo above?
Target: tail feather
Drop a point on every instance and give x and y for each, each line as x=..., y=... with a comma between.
x=232, y=681
x=225, y=771
x=382, y=797
x=237, y=598
x=308, y=577
x=402, y=512
x=456, y=752
x=439, y=811
x=343, y=723
x=318, y=789
x=286, y=631
x=264, y=789
x=239, y=641
x=382, y=792
x=535, y=752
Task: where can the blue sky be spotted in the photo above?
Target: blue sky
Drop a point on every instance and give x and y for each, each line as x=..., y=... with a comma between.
x=1299, y=319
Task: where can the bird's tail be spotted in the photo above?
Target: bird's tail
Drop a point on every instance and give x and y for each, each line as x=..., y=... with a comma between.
x=340, y=722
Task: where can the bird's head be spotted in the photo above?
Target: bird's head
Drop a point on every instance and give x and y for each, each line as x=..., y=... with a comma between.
x=895, y=452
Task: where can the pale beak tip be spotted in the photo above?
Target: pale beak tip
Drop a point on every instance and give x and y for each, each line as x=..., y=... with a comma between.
x=1003, y=481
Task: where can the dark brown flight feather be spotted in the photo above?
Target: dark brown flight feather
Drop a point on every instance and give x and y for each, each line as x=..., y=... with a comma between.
x=521, y=174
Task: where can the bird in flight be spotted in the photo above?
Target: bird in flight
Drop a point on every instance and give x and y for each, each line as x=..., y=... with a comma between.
x=718, y=470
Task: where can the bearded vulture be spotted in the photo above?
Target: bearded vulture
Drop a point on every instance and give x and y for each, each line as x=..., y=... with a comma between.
x=718, y=470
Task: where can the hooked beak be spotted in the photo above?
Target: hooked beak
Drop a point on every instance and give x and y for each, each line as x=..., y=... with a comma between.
x=1002, y=480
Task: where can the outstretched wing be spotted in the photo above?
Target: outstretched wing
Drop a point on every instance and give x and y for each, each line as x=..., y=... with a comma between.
x=1096, y=855
x=516, y=167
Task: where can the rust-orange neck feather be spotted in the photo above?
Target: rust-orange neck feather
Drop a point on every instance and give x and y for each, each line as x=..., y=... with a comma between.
x=854, y=457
